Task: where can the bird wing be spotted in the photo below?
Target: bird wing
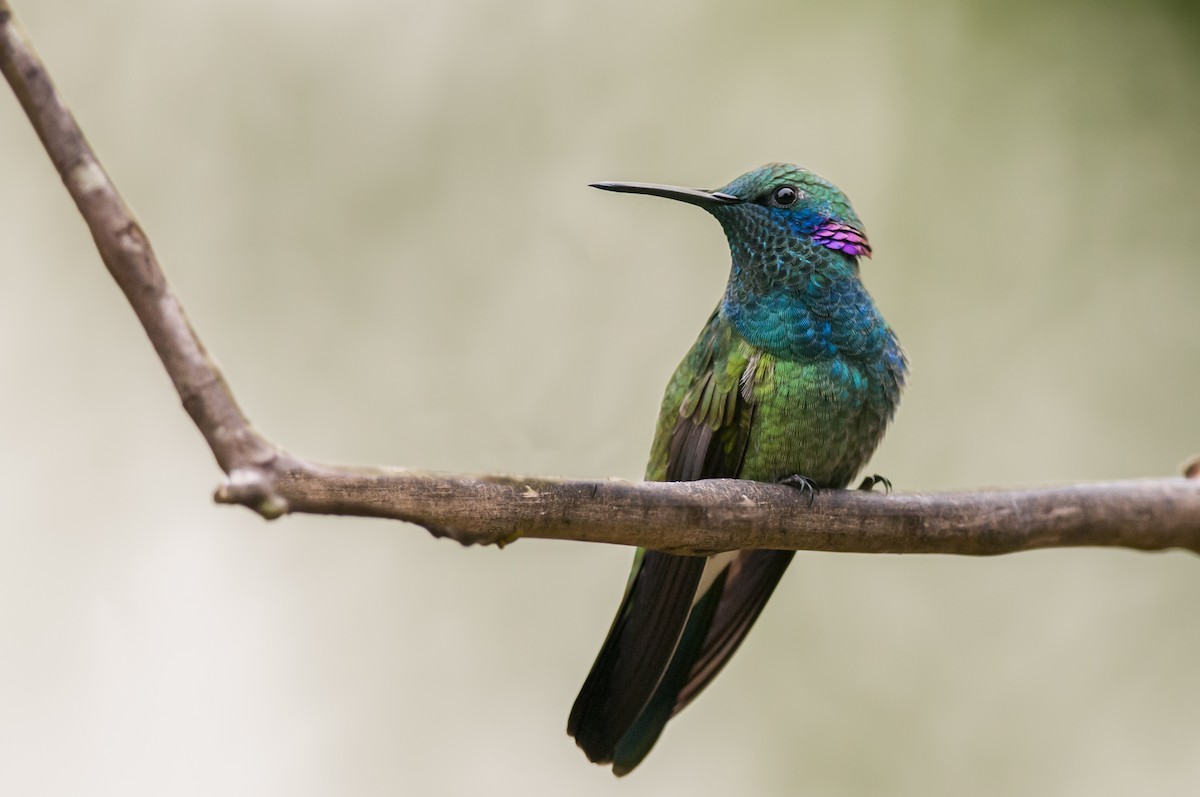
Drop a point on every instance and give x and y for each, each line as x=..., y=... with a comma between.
x=678, y=624
x=662, y=587
x=709, y=439
x=704, y=424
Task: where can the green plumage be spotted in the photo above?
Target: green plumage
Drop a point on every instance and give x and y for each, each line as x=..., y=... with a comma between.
x=795, y=374
x=770, y=417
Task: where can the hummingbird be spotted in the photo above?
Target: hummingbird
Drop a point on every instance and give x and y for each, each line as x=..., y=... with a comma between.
x=793, y=379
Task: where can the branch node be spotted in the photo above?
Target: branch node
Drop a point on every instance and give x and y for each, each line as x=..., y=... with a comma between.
x=87, y=177
x=253, y=488
x=467, y=537
x=507, y=539
x=1191, y=468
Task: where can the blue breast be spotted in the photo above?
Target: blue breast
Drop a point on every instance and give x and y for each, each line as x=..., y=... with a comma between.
x=807, y=313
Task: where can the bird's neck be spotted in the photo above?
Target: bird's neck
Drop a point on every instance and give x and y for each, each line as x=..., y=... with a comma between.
x=799, y=300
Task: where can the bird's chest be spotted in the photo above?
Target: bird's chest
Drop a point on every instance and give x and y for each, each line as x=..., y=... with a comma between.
x=818, y=418
x=807, y=316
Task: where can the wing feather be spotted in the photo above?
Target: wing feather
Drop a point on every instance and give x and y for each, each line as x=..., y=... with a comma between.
x=667, y=643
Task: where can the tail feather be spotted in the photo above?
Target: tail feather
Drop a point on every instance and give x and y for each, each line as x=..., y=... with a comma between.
x=665, y=645
x=637, y=742
x=751, y=580
x=636, y=653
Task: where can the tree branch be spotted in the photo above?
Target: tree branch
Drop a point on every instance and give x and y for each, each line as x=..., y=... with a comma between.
x=694, y=517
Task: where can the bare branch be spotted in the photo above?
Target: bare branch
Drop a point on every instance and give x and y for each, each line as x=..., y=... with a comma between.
x=723, y=514
x=682, y=517
x=126, y=252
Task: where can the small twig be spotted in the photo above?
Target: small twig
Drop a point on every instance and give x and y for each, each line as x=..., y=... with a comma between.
x=684, y=517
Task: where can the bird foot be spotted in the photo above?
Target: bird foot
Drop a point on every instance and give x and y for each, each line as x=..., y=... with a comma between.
x=868, y=483
x=802, y=483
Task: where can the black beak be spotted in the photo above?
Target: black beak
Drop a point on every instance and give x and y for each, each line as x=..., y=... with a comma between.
x=693, y=196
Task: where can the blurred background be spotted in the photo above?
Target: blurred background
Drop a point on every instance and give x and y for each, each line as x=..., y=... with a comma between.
x=376, y=214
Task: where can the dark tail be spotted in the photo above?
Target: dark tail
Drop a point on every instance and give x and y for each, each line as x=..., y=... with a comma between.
x=662, y=649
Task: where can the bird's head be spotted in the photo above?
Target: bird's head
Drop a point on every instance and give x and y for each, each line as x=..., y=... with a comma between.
x=776, y=205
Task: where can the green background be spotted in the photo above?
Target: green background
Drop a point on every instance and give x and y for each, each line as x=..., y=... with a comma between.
x=376, y=214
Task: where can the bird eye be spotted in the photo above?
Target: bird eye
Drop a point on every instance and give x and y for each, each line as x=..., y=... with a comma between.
x=785, y=196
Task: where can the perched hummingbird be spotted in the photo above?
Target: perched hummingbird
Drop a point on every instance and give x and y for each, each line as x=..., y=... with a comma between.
x=793, y=379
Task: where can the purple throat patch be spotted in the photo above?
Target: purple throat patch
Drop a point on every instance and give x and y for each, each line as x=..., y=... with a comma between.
x=843, y=238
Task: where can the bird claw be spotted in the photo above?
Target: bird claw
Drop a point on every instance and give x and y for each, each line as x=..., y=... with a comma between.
x=869, y=482
x=802, y=483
